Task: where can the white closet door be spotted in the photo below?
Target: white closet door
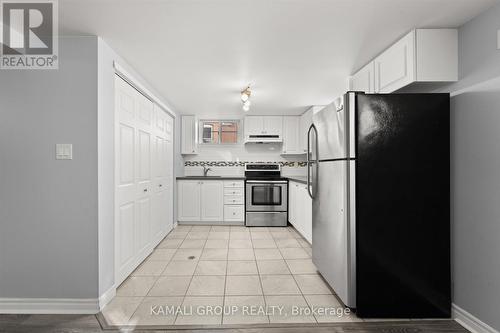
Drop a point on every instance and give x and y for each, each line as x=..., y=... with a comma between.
x=144, y=177
x=169, y=181
x=125, y=207
x=162, y=171
x=159, y=193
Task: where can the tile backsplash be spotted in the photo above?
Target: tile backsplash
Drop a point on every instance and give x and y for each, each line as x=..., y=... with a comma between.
x=228, y=168
x=229, y=160
x=291, y=164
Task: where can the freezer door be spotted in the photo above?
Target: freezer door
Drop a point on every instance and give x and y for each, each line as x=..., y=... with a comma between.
x=403, y=206
x=330, y=125
x=331, y=245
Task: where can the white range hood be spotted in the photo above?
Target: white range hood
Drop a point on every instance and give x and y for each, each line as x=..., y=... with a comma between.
x=264, y=139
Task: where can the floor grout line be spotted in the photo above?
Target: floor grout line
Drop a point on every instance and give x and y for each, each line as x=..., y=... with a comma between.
x=227, y=249
x=225, y=284
x=260, y=281
x=169, y=261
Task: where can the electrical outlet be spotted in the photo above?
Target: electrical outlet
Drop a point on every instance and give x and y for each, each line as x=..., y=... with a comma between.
x=64, y=151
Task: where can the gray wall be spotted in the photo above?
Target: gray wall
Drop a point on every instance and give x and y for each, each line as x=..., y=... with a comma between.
x=478, y=53
x=475, y=178
x=48, y=208
x=475, y=174
x=57, y=217
x=475, y=169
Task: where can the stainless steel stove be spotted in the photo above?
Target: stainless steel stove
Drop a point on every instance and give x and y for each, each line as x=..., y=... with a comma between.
x=266, y=192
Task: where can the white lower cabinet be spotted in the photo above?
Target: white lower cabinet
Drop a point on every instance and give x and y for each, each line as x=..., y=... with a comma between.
x=200, y=200
x=189, y=200
x=300, y=209
x=213, y=201
x=234, y=213
x=234, y=202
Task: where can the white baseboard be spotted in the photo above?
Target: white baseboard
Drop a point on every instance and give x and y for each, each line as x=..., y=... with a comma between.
x=107, y=297
x=49, y=305
x=470, y=322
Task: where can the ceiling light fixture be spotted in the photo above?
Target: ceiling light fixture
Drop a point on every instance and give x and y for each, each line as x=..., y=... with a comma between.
x=246, y=106
x=245, y=98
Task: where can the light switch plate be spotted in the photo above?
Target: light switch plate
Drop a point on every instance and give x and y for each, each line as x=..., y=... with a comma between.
x=64, y=151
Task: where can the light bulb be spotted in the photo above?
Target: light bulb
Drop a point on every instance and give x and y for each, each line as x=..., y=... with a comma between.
x=246, y=107
x=244, y=97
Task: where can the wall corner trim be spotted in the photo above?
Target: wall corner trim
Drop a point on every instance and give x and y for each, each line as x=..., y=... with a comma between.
x=105, y=298
x=49, y=305
x=470, y=322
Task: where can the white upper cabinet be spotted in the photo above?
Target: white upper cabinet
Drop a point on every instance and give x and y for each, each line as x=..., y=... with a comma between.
x=291, y=136
x=395, y=68
x=437, y=55
x=273, y=125
x=263, y=125
x=364, y=79
x=254, y=125
x=189, y=133
x=423, y=55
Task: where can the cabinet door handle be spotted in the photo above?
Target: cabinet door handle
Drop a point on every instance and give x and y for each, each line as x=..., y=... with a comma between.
x=160, y=185
x=145, y=190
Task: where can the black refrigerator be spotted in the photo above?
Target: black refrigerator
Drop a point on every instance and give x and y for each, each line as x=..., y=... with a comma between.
x=379, y=176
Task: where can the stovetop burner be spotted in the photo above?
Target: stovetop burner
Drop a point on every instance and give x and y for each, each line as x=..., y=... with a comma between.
x=263, y=171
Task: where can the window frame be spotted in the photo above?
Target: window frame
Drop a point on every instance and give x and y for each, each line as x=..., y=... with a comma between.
x=220, y=121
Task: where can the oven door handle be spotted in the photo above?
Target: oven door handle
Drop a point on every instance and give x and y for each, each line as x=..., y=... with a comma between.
x=267, y=181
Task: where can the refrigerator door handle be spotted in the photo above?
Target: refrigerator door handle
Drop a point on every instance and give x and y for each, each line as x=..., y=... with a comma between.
x=311, y=189
x=309, y=161
x=315, y=188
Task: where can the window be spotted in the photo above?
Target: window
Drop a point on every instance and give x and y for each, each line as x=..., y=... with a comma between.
x=219, y=131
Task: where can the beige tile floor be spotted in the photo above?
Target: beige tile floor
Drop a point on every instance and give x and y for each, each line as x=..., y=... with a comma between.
x=245, y=275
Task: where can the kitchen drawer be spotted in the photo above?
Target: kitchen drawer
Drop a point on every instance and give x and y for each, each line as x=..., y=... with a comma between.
x=233, y=200
x=234, y=183
x=234, y=213
x=233, y=191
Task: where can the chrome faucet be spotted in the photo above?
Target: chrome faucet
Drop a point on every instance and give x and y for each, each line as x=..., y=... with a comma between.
x=205, y=171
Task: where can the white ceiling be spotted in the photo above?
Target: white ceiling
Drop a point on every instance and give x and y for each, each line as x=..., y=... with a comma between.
x=200, y=53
